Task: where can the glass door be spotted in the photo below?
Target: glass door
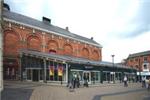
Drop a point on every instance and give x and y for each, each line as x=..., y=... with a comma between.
x=35, y=75
x=112, y=77
x=87, y=76
x=29, y=74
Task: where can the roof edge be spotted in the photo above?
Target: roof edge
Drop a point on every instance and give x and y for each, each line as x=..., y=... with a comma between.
x=31, y=26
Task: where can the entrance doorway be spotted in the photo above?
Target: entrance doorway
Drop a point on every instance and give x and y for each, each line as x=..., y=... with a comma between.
x=87, y=76
x=112, y=77
x=35, y=75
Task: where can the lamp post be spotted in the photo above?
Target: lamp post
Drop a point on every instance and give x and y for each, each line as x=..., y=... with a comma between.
x=113, y=68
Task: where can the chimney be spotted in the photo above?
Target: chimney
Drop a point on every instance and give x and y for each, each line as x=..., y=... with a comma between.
x=91, y=38
x=67, y=28
x=46, y=20
x=6, y=7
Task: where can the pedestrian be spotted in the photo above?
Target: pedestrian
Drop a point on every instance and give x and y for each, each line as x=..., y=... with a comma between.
x=125, y=81
x=85, y=80
x=148, y=84
x=74, y=82
x=144, y=81
x=78, y=81
x=70, y=85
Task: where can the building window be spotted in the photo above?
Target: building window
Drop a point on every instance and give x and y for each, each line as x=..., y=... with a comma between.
x=145, y=58
x=145, y=66
x=52, y=51
x=131, y=60
x=136, y=59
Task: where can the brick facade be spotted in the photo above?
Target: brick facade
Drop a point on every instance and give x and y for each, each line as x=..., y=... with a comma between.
x=18, y=37
x=138, y=61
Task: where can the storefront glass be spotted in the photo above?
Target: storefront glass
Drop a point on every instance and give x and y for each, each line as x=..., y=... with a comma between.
x=29, y=74
x=55, y=71
x=91, y=76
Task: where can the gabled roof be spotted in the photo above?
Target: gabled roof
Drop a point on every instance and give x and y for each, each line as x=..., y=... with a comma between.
x=27, y=21
x=145, y=53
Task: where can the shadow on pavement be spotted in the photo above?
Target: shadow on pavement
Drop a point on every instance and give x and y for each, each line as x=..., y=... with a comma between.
x=16, y=94
x=98, y=97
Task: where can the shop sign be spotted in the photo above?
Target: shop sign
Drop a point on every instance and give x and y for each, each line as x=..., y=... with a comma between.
x=88, y=67
x=145, y=73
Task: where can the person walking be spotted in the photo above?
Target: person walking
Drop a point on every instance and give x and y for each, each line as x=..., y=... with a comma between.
x=144, y=81
x=125, y=81
x=148, y=84
x=85, y=77
x=78, y=81
x=71, y=85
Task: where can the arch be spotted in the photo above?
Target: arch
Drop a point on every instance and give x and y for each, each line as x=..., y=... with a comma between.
x=11, y=42
x=85, y=52
x=95, y=55
x=34, y=43
x=12, y=30
x=52, y=46
x=68, y=50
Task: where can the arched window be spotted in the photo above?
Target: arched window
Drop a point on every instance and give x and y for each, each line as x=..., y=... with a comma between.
x=52, y=46
x=11, y=42
x=52, y=51
x=68, y=50
x=33, y=43
x=95, y=55
x=85, y=53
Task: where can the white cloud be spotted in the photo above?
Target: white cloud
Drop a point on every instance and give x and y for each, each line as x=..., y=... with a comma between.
x=122, y=48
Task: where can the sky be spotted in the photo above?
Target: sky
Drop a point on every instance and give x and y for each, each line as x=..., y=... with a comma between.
x=122, y=27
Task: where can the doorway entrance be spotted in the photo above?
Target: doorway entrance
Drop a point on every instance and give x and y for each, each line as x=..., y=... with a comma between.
x=87, y=76
x=112, y=77
x=35, y=75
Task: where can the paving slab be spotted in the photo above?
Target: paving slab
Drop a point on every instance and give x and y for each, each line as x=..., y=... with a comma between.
x=40, y=91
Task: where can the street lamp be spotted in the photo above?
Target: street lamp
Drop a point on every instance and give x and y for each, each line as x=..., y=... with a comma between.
x=113, y=68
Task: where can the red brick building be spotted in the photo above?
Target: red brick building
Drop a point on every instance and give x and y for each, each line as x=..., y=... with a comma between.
x=140, y=61
x=37, y=50
x=22, y=32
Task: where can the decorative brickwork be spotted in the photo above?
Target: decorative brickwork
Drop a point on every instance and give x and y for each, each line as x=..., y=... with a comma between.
x=18, y=37
x=138, y=61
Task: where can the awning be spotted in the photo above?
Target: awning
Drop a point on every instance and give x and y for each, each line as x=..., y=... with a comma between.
x=71, y=59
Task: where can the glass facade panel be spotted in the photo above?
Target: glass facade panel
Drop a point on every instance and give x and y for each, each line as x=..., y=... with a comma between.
x=92, y=76
x=29, y=74
x=107, y=76
x=35, y=69
x=41, y=74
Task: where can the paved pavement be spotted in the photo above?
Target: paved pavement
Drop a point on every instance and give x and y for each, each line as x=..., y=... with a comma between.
x=39, y=91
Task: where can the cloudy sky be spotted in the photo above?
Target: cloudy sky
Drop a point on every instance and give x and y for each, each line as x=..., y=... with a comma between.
x=122, y=27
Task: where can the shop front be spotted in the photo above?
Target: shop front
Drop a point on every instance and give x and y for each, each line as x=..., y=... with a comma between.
x=44, y=67
x=91, y=76
x=41, y=70
x=85, y=72
x=10, y=67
